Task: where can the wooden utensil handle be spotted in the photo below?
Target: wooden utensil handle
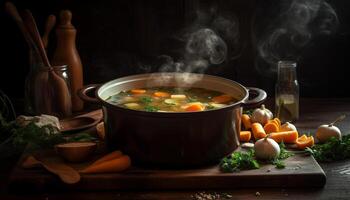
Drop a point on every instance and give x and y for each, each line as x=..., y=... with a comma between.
x=30, y=24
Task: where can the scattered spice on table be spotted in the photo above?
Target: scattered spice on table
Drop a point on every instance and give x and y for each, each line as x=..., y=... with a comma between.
x=210, y=196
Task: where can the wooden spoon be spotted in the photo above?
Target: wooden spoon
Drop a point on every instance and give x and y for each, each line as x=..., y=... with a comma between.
x=50, y=23
x=64, y=172
x=82, y=121
x=13, y=12
x=60, y=88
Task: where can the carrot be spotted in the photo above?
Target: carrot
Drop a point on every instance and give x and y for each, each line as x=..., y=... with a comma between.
x=285, y=136
x=271, y=127
x=115, y=165
x=195, y=107
x=138, y=91
x=246, y=121
x=303, y=141
x=222, y=98
x=110, y=156
x=161, y=94
x=258, y=131
x=244, y=136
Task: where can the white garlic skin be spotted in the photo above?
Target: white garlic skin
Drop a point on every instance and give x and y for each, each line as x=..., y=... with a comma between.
x=325, y=132
x=266, y=149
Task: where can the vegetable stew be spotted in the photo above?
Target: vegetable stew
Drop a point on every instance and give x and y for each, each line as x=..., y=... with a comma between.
x=171, y=99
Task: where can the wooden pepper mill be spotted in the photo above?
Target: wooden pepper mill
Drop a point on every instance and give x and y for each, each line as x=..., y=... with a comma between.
x=67, y=54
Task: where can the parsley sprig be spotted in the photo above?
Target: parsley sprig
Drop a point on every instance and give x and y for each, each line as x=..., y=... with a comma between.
x=246, y=160
x=333, y=150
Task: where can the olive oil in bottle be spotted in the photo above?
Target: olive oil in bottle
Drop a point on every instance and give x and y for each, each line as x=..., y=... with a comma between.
x=287, y=92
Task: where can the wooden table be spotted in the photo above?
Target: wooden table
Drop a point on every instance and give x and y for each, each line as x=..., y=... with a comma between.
x=313, y=113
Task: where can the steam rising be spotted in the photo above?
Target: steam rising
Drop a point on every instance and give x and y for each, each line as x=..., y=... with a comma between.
x=204, y=46
x=293, y=29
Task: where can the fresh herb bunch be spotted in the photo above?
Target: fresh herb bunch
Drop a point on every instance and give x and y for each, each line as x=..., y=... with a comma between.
x=245, y=161
x=239, y=161
x=333, y=150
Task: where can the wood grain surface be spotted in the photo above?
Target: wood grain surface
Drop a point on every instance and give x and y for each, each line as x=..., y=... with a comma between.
x=313, y=113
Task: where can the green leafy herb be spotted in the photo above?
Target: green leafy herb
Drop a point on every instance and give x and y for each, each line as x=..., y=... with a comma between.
x=244, y=161
x=333, y=150
x=248, y=112
x=35, y=137
x=284, y=154
x=239, y=161
x=146, y=100
x=279, y=164
x=209, y=107
x=191, y=99
x=151, y=108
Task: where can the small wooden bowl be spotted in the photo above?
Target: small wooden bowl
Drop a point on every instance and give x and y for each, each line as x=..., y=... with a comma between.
x=76, y=151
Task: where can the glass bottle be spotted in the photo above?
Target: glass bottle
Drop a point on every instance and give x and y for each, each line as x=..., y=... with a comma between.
x=287, y=92
x=41, y=96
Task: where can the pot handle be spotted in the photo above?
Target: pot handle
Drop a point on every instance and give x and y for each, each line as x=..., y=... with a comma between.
x=82, y=93
x=260, y=97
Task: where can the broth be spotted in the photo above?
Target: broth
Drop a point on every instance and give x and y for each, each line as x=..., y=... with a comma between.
x=171, y=99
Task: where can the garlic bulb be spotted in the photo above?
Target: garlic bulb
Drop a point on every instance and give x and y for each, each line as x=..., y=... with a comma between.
x=325, y=132
x=288, y=127
x=266, y=149
x=261, y=115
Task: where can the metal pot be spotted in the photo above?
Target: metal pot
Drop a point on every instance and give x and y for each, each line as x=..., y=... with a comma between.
x=173, y=139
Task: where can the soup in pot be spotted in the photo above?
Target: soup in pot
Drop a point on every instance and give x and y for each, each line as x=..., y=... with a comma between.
x=171, y=99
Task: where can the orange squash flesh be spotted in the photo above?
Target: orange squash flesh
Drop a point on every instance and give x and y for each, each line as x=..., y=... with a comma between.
x=278, y=121
x=271, y=127
x=286, y=136
x=244, y=136
x=303, y=141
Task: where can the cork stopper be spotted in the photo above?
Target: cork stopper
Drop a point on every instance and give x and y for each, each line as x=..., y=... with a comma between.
x=66, y=19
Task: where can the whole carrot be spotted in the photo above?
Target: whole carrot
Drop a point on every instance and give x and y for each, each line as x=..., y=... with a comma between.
x=110, y=156
x=109, y=166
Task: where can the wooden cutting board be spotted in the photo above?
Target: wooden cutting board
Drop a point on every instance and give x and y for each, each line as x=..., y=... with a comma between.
x=301, y=171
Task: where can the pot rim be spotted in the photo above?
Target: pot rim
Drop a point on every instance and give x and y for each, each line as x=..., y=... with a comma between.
x=163, y=114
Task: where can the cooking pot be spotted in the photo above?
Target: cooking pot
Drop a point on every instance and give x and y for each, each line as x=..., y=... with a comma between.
x=173, y=139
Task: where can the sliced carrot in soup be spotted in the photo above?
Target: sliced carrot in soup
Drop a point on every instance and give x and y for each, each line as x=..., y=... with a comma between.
x=222, y=98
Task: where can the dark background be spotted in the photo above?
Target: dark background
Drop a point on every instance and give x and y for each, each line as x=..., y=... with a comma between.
x=118, y=38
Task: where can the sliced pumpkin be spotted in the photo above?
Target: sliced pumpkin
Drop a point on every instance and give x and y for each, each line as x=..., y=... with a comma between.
x=304, y=141
x=286, y=136
x=271, y=127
